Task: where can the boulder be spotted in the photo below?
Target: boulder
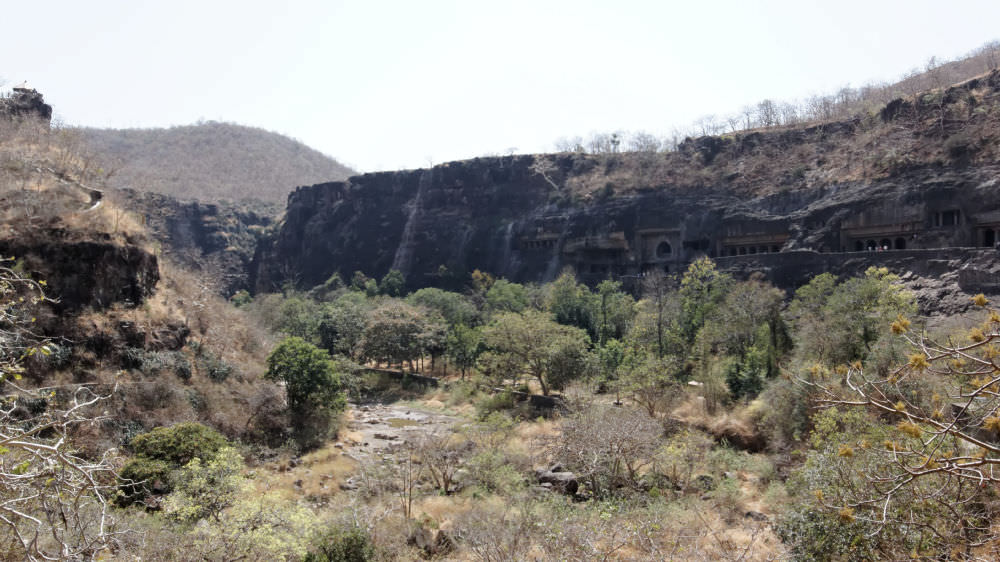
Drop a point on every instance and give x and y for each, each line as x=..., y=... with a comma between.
x=432, y=542
x=564, y=482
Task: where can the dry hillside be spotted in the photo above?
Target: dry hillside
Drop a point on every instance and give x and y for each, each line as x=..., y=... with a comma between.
x=211, y=161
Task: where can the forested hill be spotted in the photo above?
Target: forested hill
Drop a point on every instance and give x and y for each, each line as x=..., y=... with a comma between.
x=211, y=161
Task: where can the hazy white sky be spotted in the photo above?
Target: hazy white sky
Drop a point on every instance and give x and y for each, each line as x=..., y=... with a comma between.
x=386, y=85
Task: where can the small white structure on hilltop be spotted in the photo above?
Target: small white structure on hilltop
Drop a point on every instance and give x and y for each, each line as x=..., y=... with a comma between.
x=23, y=87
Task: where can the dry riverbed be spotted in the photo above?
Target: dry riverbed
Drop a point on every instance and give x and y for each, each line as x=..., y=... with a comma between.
x=373, y=428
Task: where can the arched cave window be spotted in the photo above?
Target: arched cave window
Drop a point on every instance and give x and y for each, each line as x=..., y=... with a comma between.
x=859, y=246
x=663, y=250
x=871, y=246
x=900, y=244
x=885, y=244
x=743, y=250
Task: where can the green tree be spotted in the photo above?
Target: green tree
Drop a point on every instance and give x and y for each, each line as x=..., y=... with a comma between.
x=533, y=344
x=312, y=387
x=342, y=544
x=703, y=288
x=464, y=345
x=456, y=309
x=654, y=325
x=840, y=323
x=298, y=316
x=649, y=380
x=205, y=488
x=342, y=324
x=222, y=516
x=572, y=303
x=393, y=284
x=615, y=311
x=748, y=327
x=358, y=281
x=504, y=296
x=371, y=288
x=241, y=298
x=397, y=332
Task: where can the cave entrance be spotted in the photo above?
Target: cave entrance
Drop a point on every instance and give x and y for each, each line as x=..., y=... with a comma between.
x=989, y=238
x=885, y=244
x=900, y=244
x=871, y=246
x=859, y=246
x=664, y=250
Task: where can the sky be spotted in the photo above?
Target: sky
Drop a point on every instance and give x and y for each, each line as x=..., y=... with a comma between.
x=406, y=84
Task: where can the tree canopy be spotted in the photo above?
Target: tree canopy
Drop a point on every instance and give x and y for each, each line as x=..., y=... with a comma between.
x=312, y=387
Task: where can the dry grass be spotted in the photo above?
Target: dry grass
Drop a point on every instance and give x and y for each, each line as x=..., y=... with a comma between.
x=529, y=438
x=317, y=475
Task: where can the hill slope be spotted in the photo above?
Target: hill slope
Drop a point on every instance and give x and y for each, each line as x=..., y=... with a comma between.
x=211, y=161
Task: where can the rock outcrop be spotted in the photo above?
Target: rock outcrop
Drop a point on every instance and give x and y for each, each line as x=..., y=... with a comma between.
x=914, y=188
x=497, y=215
x=25, y=103
x=80, y=273
x=217, y=240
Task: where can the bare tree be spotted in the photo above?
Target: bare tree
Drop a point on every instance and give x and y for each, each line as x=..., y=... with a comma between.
x=642, y=141
x=942, y=451
x=767, y=113
x=53, y=501
x=991, y=55
x=607, y=446
x=442, y=453
x=569, y=144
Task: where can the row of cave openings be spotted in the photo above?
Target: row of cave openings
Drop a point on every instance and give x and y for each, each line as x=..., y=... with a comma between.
x=751, y=250
x=880, y=246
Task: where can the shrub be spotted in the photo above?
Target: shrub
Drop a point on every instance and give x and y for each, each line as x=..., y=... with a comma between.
x=159, y=453
x=500, y=402
x=213, y=366
x=814, y=534
x=493, y=471
x=959, y=146
x=351, y=544
x=607, y=447
x=140, y=477
x=152, y=363
x=206, y=489
x=179, y=443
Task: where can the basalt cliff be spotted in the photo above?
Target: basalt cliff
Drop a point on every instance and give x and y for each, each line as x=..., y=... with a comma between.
x=912, y=186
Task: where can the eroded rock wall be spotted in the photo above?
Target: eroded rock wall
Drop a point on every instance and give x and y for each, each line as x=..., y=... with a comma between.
x=504, y=216
x=217, y=240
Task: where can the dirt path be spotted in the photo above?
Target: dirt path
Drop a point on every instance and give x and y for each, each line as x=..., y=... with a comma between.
x=373, y=428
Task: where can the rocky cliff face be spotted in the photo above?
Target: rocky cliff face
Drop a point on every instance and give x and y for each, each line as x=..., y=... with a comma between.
x=921, y=175
x=502, y=216
x=95, y=272
x=216, y=239
x=461, y=216
x=25, y=103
